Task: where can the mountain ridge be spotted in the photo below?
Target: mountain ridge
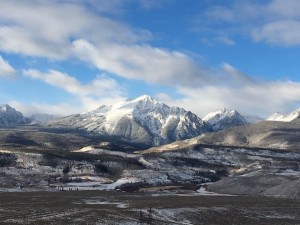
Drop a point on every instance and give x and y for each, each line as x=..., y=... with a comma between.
x=222, y=119
x=285, y=117
x=10, y=116
x=143, y=119
x=274, y=135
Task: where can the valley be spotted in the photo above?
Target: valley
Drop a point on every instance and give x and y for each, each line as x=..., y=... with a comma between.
x=106, y=207
x=165, y=166
x=69, y=159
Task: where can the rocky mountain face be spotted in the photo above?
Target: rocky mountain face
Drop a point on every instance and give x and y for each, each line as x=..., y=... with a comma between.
x=266, y=134
x=285, y=117
x=9, y=116
x=141, y=120
x=223, y=119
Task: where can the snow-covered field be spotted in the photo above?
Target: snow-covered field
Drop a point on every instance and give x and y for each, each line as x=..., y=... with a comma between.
x=107, y=207
x=180, y=168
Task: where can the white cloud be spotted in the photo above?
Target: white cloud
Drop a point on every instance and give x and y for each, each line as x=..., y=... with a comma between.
x=225, y=40
x=236, y=77
x=6, y=70
x=285, y=9
x=241, y=93
x=143, y=62
x=64, y=29
x=150, y=4
x=275, y=22
x=98, y=87
x=63, y=109
x=280, y=32
x=28, y=110
x=47, y=28
x=101, y=90
x=114, y=7
x=260, y=100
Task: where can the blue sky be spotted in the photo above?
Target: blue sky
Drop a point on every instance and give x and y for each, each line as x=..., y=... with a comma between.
x=68, y=56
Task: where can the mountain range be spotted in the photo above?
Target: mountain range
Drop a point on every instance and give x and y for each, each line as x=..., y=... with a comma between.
x=141, y=120
x=223, y=119
x=145, y=120
x=108, y=145
x=9, y=116
x=285, y=117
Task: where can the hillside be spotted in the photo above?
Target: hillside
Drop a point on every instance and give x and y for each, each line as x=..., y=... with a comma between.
x=266, y=134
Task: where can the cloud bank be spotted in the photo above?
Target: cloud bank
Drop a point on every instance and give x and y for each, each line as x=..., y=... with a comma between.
x=62, y=30
x=101, y=90
x=6, y=70
x=41, y=28
x=275, y=22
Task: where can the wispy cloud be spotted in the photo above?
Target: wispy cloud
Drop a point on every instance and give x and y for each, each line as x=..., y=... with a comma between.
x=47, y=28
x=6, y=70
x=242, y=93
x=225, y=40
x=275, y=22
x=143, y=62
x=65, y=29
x=29, y=109
x=98, y=87
x=99, y=91
x=150, y=4
x=92, y=32
x=237, y=77
x=284, y=32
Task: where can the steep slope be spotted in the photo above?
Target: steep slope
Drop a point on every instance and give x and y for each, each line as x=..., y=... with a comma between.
x=266, y=134
x=223, y=119
x=285, y=118
x=9, y=116
x=141, y=120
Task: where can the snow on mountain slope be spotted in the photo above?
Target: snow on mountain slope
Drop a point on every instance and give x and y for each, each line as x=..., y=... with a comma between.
x=276, y=117
x=9, y=116
x=222, y=119
x=285, y=118
x=141, y=120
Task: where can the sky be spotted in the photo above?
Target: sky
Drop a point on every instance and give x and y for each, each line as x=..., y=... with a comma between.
x=68, y=56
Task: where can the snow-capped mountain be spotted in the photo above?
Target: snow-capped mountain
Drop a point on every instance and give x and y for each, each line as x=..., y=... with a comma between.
x=276, y=117
x=222, y=119
x=9, y=116
x=141, y=120
x=285, y=117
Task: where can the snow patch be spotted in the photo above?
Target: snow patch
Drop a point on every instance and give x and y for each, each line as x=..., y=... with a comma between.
x=203, y=191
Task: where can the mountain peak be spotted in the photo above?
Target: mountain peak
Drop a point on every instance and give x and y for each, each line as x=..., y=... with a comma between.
x=141, y=98
x=222, y=119
x=285, y=117
x=222, y=110
x=141, y=120
x=144, y=97
x=10, y=116
x=6, y=107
